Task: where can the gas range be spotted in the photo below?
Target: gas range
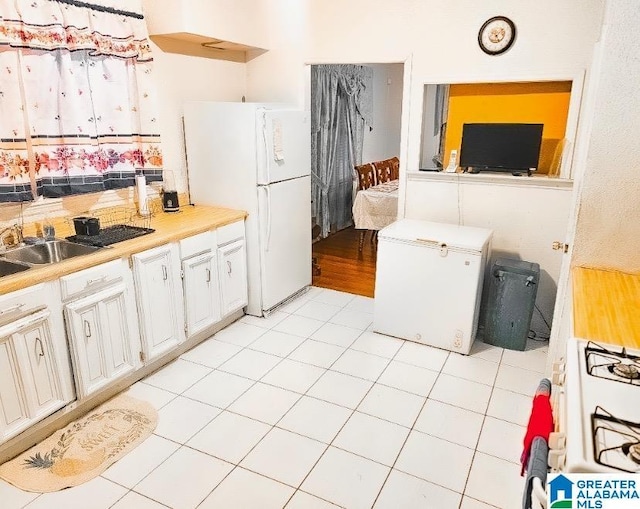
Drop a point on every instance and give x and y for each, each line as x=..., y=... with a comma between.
x=600, y=414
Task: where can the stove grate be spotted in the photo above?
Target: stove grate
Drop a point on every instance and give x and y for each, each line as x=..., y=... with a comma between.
x=609, y=364
x=616, y=442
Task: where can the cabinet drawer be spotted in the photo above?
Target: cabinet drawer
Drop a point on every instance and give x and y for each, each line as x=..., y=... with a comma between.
x=230, y=232
x=91, y=279
x=22, y=301
x=197, y=244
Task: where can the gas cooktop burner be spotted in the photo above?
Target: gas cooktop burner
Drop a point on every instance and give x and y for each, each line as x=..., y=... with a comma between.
x=612, y=364
x=625, y=370
x=633, y=451
x=616, y=442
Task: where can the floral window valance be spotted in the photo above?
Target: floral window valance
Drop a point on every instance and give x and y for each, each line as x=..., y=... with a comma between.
x=77, y=101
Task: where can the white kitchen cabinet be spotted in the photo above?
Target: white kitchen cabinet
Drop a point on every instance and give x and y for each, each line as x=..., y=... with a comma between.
x=13, y=399
x=30, y=385
x=35, y=377
x=232, y=267
x=35, y=349
x=101, y=323
x=160, y=300
x=201, y=292
x=99, y=326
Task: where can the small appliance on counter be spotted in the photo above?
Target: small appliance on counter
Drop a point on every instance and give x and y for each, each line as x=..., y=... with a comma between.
x=170, y=201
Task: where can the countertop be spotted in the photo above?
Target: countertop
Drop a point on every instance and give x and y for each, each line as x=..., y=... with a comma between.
x=606, y=306
x=168, y=226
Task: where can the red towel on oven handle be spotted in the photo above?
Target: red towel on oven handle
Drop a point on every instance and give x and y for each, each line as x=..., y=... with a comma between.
x=540, y=420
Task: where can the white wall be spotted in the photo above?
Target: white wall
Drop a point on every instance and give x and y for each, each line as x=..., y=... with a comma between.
x=280, y=74
x=183, y=78
x=383, y=141
x=522, y=217
x=608, y=223
x=437, y=40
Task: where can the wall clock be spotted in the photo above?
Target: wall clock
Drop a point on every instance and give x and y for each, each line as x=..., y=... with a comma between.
x=496, y=35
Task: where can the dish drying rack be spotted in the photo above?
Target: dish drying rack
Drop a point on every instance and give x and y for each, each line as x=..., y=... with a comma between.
x=117, y=224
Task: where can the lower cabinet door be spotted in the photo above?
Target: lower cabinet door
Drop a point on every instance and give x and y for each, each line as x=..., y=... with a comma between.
x=40, y=373
x=99, y=329
x=201, y=292
x=232, y=263
x=30, y=383
x=159, y=297
x=14, y=415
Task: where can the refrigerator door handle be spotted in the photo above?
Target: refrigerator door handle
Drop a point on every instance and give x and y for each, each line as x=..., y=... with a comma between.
x=268, y=212
x=268, y=217
x=265, y=146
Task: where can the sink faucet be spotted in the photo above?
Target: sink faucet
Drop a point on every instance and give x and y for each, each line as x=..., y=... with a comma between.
x=17, y=235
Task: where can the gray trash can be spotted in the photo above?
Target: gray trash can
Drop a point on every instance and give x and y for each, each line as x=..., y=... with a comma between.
x=512, y=296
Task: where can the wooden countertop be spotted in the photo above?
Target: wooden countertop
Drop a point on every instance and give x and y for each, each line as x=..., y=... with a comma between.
x=606, y=306
x=168, y=226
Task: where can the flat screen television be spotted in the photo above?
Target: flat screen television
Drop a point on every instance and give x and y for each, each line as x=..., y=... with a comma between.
x=501, y=147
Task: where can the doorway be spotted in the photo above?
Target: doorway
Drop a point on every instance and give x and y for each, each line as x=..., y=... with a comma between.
x=338, y=263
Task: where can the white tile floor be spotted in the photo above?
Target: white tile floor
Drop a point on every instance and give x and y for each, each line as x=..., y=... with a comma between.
x=309, y=409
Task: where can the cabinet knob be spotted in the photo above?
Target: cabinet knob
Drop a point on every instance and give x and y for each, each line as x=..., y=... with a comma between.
x=165, y=275
x=229, y=267
x=208, y=275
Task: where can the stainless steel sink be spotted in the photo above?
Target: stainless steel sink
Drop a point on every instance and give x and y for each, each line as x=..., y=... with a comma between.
x=53, y=251
x=7, y=268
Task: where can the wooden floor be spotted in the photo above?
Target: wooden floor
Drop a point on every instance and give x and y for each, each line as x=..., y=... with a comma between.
x=342, y=267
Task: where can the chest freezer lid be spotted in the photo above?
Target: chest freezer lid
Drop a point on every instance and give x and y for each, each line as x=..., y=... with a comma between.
x=468, y=238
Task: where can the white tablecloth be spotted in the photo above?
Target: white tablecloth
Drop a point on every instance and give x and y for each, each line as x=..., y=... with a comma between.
x=376, y=207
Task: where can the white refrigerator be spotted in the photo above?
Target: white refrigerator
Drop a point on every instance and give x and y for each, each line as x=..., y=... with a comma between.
x=429, y=280
x=257, y=157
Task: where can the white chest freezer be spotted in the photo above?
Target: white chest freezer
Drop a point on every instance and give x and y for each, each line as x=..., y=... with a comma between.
x=429, y=282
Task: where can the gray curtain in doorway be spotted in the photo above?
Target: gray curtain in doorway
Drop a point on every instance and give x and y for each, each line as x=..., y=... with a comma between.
x=341, y=106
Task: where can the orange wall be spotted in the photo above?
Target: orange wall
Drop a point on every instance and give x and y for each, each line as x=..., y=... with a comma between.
x=540, y=103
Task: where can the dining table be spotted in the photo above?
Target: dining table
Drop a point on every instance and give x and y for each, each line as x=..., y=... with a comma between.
x=375, y=207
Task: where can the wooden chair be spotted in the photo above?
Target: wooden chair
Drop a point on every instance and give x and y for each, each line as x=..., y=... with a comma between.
x=387, y=170
x=366, y=178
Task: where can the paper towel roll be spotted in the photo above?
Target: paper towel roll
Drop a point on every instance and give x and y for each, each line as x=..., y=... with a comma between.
x=141, y=186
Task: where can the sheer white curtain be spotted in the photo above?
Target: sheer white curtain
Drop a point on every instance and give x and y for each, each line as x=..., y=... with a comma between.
x=77, y=106
x=341, y=107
